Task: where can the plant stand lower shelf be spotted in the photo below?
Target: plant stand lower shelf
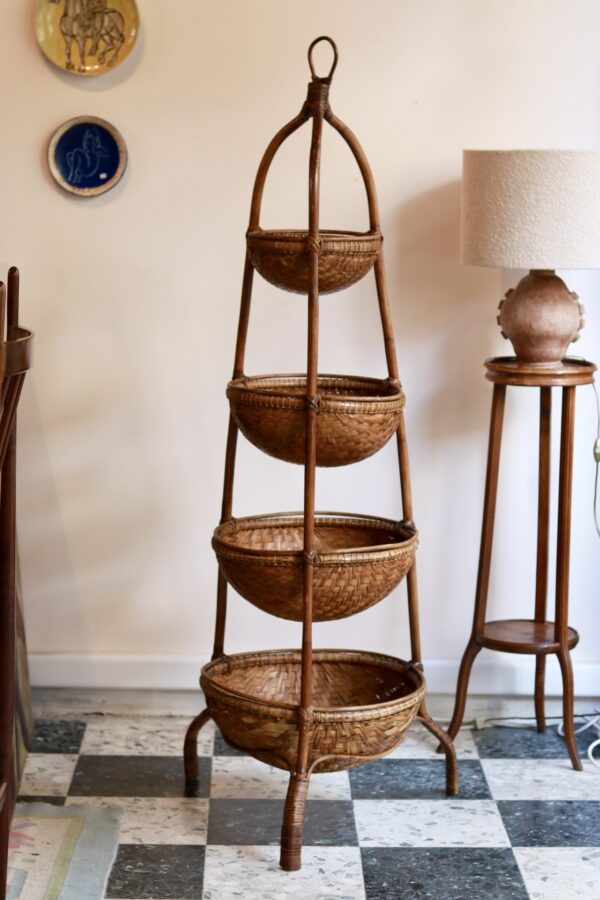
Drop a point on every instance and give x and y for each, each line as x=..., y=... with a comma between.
x=312, y=710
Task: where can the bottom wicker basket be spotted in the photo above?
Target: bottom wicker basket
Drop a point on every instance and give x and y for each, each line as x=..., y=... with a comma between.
x=363, y=705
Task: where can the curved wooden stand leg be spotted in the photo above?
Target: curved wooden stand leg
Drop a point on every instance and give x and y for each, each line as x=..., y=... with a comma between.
x=540, y=674
x=464, y=674
x=190, y=750
x=566, y=668
x=447, y=745
x=293, y=818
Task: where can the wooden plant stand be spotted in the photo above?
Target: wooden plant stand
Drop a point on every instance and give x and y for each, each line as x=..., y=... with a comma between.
x=536, y=636
x=325, y=710
x=15, y=360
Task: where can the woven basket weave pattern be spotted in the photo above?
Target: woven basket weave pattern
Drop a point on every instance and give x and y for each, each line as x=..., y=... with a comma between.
x=359, y=561
x=363, y=704
x=282, y=258
x=357, y=416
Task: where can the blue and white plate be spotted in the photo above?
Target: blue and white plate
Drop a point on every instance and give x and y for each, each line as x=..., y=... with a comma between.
x=87, y=156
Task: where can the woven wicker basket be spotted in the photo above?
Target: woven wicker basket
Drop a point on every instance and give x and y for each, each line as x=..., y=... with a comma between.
x=360, y=559
x=363, y=704
x=357, y=416
x=282, y=258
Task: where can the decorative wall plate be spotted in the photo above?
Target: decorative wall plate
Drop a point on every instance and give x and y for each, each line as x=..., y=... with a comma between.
x=87, y=156
x=86, y=37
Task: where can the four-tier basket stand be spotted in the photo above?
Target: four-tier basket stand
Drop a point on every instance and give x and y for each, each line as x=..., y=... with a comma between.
x=314, y=711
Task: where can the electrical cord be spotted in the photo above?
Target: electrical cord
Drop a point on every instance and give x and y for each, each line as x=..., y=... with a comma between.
x=597, y=458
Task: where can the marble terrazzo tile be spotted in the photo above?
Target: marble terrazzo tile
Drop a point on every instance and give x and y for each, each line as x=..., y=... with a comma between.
x=48, y=774
x=157, y=820
x=253, y=873
x=57, y=736
x=499, y=742
x=255, y=822
x=151, y=871
x=551, y=823
x=144, y=736
x=423, y=823
x=415, y=779
x=245, y=777
x=421, y=744
x=558, y=873
x=541, y=779
x=442, y=873
x=136, y=776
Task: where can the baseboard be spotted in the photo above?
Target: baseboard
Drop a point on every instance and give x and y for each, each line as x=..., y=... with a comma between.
x=507, y=676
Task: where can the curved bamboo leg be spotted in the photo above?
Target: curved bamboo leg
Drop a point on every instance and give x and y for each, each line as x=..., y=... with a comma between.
x=471, y=651
x=190, y=751
x=563, y=546
x=566, y=668
x=293, y=818
x=447, y=745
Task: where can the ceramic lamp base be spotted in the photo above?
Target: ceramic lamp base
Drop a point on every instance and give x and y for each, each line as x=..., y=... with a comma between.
x=541, y=317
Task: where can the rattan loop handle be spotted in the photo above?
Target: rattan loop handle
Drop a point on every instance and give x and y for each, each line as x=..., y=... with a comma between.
x=327, y=78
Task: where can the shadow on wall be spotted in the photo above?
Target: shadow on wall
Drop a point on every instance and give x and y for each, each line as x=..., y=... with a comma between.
x=448, y=310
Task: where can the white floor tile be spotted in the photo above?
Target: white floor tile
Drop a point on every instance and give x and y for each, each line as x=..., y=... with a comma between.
x=560, y=873
x=162, y=820
x=429, y=823
x=47, y=774
x=253, y=873
x=247, y=778
x=143, y=736
x=541, y=779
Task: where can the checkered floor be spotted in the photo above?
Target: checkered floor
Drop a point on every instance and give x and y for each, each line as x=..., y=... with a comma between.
x=525, y=824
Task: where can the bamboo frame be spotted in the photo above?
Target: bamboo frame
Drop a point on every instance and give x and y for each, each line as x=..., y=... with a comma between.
x=15, y=352
x=317, y=109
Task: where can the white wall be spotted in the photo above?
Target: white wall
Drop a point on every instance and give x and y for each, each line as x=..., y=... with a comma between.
x=134, y=300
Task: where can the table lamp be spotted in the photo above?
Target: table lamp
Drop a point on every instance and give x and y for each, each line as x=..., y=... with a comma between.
x=537, y=210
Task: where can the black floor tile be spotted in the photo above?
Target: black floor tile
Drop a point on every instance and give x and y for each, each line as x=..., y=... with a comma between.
x=57, y=736
x=222, y=748
x=551, y=823
x=136, y=776
x=157, y=871
x=525, y=743
x=54, y=801
x=326, y=822
x=416, y=779
x=439, y=873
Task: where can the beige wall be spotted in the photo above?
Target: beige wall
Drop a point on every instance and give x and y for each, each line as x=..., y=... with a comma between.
x=134, y=299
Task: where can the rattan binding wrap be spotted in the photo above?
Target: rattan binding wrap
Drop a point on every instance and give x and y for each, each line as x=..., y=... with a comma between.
x=356, y=416
x=363, y=705
x=282, y=257
x=359, y=560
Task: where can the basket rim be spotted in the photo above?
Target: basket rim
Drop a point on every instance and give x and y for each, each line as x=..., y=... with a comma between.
x=297, y=235
x=265, y=390
x=321, y=713
x=336, y=557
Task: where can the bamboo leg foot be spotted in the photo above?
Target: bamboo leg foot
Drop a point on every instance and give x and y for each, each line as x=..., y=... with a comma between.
x=540, y=672
x=564, y=658
x=293, y=817
x=190, y=751
x=447, y=746
x=464, y=673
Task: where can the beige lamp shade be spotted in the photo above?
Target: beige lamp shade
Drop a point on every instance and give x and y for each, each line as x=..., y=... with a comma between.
x=531, y=209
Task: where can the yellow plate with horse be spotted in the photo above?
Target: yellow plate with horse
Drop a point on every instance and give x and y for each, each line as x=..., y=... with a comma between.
x=86, y=37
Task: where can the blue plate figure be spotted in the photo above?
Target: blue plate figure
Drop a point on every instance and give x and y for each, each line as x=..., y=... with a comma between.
x=87, y=156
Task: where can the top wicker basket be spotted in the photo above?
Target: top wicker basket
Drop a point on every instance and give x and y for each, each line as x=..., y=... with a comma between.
x=282, y=257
